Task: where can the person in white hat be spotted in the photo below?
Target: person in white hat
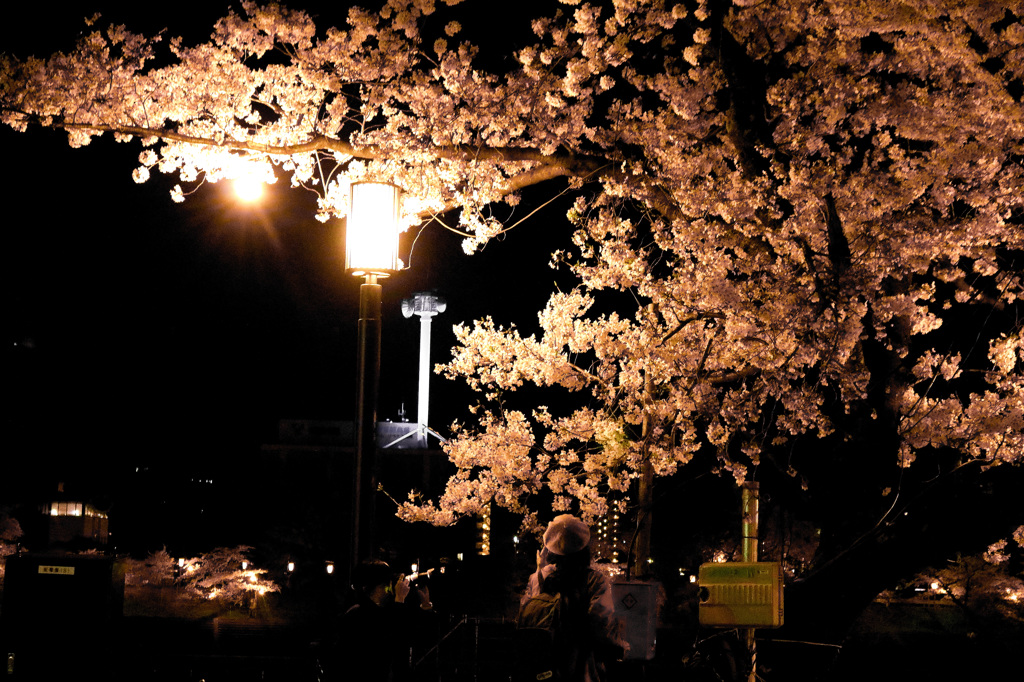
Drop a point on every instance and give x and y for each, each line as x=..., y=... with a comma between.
x=564, y=567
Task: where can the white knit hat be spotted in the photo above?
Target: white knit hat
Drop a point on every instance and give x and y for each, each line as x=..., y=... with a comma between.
x=566, y=535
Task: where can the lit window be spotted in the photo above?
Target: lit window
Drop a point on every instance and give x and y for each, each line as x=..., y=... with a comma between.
x=66, y=509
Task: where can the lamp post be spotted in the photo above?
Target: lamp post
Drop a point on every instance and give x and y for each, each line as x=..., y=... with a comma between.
x=371, y=252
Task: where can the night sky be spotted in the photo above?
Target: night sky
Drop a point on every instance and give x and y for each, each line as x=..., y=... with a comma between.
x=142, y=332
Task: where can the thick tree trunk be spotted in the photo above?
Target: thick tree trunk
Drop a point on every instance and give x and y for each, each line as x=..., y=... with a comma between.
x=960, y=512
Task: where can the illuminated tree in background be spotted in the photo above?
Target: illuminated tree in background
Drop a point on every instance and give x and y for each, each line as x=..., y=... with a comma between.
x=798, y=227
x=225, y=574
x=10, y=533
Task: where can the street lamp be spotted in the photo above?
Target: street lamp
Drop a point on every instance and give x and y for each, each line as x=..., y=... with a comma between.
x=371, y=252
x=371, y=231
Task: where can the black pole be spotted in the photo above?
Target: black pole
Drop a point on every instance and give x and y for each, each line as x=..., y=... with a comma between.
x=367, y=381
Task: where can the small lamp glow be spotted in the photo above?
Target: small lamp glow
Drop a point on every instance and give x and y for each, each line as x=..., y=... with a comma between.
x=371, y=232
x=330, y=567
x=291, y=566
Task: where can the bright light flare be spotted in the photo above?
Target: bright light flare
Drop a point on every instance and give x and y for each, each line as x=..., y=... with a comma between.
x=248, y=189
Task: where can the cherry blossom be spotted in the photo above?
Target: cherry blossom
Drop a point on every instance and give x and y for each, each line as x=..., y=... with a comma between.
x=798, y=227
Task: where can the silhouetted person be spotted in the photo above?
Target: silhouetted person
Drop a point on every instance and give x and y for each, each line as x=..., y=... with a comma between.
x=376, y=633
x=592, y=634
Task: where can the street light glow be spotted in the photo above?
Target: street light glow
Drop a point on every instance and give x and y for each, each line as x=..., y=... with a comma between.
x=371, y=231
x=248, y=188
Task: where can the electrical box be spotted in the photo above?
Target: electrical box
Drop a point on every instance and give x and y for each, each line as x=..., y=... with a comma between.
x=636, y=606
x=741, y=594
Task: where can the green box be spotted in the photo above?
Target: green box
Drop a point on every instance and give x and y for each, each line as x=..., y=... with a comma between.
x=741, y=594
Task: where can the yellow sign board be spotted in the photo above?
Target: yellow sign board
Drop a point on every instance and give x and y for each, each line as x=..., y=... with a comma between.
x=741, y=594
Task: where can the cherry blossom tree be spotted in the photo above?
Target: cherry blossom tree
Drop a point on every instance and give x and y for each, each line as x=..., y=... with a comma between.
x=157, y=569
x=225, y=574
x=10, y=533
x=797, y=227
x=980, y=584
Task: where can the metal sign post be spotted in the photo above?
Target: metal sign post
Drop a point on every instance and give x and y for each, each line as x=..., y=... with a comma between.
x=750, y=502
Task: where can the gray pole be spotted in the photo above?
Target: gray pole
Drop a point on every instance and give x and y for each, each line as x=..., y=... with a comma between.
x=367, y=381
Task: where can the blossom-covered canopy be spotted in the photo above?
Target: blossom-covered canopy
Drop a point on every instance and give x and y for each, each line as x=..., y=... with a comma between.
x=799, y=226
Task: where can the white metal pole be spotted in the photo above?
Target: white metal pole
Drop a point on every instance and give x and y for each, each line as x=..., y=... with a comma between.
x=423, y=407
x=426, y=305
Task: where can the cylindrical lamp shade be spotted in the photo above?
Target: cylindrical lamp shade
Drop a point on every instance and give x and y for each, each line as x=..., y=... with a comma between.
x=371, y=232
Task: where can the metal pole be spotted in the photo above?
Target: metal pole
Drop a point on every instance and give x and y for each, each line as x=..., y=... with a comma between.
x=750, y=513
x=367, y=381
x=423, y=406
x=426, y=305
x=750, y=534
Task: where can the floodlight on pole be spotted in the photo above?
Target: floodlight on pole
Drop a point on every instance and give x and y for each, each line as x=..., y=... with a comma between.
x=371, y=237
x=426, y=306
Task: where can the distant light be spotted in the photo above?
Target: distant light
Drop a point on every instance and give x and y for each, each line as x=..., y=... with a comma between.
x=291, y=566
x=330, y=567
x=693, y=578
x=245, y=564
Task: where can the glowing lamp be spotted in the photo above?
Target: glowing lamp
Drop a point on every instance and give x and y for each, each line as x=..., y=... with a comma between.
x=248, y=188
x=371, y=232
